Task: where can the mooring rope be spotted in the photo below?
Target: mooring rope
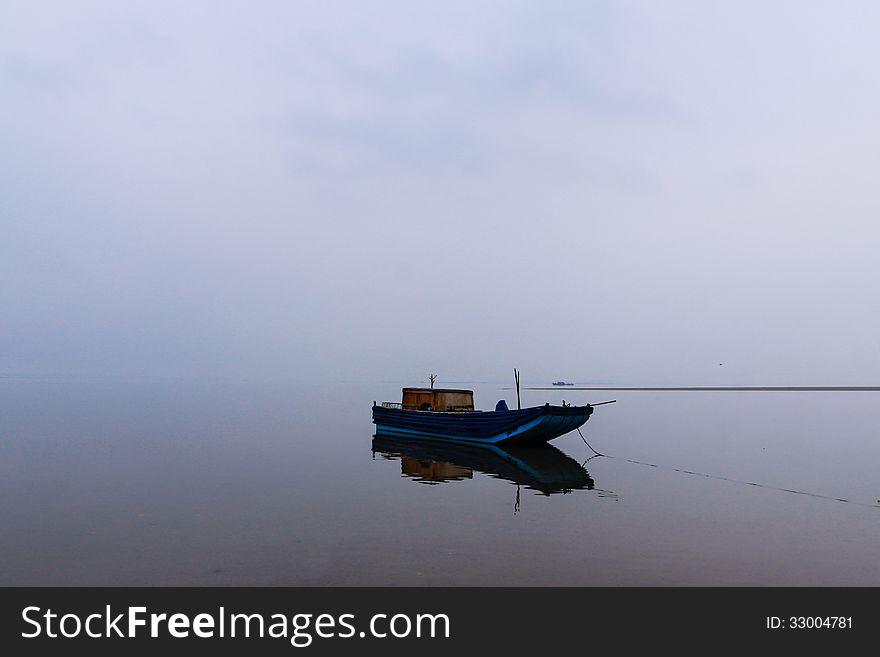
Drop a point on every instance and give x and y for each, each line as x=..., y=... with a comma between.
x=729, y=479
x=588, y=444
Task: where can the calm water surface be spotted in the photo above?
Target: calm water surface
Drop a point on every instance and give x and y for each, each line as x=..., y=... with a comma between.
x=170, y=483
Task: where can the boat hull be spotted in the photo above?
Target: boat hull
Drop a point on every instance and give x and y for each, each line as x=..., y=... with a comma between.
x=538, y=424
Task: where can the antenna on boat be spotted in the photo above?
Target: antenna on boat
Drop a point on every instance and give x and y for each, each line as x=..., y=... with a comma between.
x=516, y=377
x=433, y=378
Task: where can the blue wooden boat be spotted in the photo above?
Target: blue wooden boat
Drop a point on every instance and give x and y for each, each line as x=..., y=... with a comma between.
x=443, y=414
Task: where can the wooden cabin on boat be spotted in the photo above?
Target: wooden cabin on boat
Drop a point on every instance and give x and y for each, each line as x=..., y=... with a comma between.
x=437, y=399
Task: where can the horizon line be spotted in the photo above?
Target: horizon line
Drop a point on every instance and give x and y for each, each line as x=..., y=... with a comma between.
x=714, y=388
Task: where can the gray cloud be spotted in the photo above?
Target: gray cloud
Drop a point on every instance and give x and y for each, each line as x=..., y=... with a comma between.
x=612, y=191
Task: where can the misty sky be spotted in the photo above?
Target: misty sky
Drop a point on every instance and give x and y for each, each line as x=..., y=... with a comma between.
x=596, y=191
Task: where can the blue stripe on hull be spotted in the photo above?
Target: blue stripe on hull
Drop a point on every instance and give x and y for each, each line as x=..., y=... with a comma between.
x=538, y=426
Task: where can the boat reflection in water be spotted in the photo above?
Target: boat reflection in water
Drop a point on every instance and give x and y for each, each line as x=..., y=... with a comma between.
x=541, y=468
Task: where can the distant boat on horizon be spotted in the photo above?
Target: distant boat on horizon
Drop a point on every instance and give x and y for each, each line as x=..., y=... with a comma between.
x=562, y=383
